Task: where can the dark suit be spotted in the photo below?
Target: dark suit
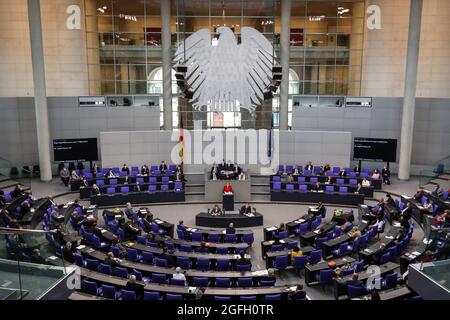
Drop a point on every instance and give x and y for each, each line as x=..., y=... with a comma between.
x=342, y=174
x=95, y=191
x=308, y=167
x=110, y=261
x=136, y=287
x=126, y=169
x=68, y=255
x=243, y=262
x=245, y=210
x=130, y=232
x=407, y=213
x=163, y=167
x=230, y=230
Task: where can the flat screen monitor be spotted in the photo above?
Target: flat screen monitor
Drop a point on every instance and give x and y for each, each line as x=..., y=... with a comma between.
x=373, y=149
x=75, y=149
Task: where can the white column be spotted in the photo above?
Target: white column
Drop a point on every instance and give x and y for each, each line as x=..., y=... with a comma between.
x=166, y=63
x=409, y=101
x=40, y=96
x=284, y=60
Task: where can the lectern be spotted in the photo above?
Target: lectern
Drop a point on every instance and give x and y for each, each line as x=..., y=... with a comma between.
x=228, y=202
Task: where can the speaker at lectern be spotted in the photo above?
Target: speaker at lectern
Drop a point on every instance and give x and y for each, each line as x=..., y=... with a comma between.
x=228, y=198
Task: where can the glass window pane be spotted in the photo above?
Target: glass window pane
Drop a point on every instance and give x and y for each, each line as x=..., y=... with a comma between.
x=127, y=7
x=226, y=8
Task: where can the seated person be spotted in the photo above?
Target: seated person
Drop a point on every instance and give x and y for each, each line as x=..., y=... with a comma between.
x=316, y=186
x=216, y=210
x=36, y=257
x=16, y=192
x=357, y=169
x=95, y=191
x=354, y=233
x=179, y=175
x=298, y=294
x=241, y=176
x=329, y=180
x=230, y=166
x=365, y=182
x=128, y=211
x=386, y=175
x=427, y=207
x=55, y=216
x=243, y=261
x=400, y=236
x=111, y=260
x=237, y=169
x=67, y=253
x=442, y=218
x=376, y=174
x=418, y=195
x=228, y=188
x=245, y=209
x=223, y=165
x=110, y=174
x=321, y=233
x=296, y=171
x=309, y=166
x=181, y=226
x=74, y=176
x=407, y=212
x=290, y=178
x=214, y=173
x=346, y=224
x=133, y=285
x=389, y=201
x=342, y=173
x=178, y=275
x=130, y=231
x=320, y=209
x=144, y=170
x=270, y=276
x=163, y=167
x=296, y=252
x=281, y=227
x=326, y=167
x=137, y=187
x=202, y=248
x=230, y=229
x=125, y=169
x=379, y=224
x=355, y=281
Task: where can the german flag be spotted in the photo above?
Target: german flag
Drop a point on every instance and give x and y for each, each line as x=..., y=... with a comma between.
x=181, y=141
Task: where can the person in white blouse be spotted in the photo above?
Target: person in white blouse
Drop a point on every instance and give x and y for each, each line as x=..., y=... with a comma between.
x=296, y=171
x=178, y=275
x=241, y=176
x=365, y=182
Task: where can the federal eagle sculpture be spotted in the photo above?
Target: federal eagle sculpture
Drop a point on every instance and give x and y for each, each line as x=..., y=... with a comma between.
x=242, y=74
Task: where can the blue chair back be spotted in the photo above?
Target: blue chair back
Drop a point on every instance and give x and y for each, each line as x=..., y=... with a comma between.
x=201, y=281
x=223, y=264
x=127, y=295
x=151, y=295
x=223, y=282
x=245, y=282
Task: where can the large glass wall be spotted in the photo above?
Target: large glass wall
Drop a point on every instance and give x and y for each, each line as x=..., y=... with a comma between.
x=124, y=53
